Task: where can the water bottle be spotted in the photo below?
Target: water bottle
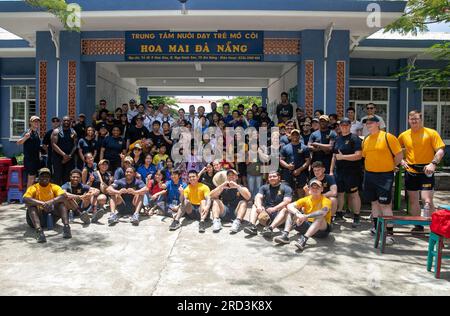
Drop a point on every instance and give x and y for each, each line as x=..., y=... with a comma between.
x=426, y=212
x=49, y=221
x=71, y=216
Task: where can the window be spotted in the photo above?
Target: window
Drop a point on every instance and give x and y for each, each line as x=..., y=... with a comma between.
x=23, y=106
x=436, y=110
x=360, y=96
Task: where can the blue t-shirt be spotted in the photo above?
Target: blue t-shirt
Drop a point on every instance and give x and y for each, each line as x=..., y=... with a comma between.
x=113, y=148
x=348, y=145
x=136, y=184
x=274, y=195
x=173, y=196
x=78, y=190
x=145, y=172
x=87, y=146
x=322, y=138
x=296, y=154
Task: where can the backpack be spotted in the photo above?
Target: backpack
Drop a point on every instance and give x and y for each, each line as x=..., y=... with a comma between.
x=440, y=223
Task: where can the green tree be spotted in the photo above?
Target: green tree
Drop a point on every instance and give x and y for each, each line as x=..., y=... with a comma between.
x=234, y=102
x=419, y=14
x=171, y=102
x=60, y=9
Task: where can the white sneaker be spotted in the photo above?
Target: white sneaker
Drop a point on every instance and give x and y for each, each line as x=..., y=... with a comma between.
x=217, y=225
x=390, y=241
x=235, y=227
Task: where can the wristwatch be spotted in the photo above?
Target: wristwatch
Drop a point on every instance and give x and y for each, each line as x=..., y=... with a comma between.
x=434, y=162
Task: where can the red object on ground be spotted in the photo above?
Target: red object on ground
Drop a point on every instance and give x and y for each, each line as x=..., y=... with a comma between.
x=16, y=177
x=440, y=223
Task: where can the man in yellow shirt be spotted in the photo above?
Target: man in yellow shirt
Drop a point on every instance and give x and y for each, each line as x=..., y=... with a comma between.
x=382, y=153
x=424, y=149
x=45, y=198
x=310, y=216
x=195, y=202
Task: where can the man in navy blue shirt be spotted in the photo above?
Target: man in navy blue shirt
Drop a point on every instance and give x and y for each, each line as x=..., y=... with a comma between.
x=174, y=187
x=347, y=159
x=328, y=184
x=127, y=197
x=295, y=161
x=321, y=143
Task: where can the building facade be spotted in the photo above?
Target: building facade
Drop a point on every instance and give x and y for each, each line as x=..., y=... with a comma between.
x=319, y=52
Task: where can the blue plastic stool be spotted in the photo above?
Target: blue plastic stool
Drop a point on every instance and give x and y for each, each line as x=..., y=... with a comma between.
x=15, y=194
x=435, y=246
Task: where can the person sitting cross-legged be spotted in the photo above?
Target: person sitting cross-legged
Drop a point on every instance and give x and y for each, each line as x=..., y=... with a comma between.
x=229, y=202
x=195, y=202
x=310, y=216
x=127, y=197
x=45, y=198
x=270, y=206
x=80, y=197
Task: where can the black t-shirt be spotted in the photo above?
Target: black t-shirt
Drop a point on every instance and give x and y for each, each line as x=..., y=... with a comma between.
x=137, y=133
x=285, y=110
x=348, y=145
x=80, y=129
x=113, y=148
x=78, y=190
x=136, y=184
x=230, y=197
x=31, y=148
x=157, y=140
x=272, y=196
x=207, y=180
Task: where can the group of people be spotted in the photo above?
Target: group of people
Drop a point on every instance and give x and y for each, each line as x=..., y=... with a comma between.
x=124, y=163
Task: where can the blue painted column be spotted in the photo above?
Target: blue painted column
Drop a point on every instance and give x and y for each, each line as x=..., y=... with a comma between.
x=87, y=87
x=45, y=76
x=143, y=94
x=311, y=70
x=338, y=73
x=410, y=98
x=264, y=96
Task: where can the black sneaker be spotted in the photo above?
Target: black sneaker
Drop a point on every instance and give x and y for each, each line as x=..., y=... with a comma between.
x=67, y=234
x=175, y=225
x=98, y=215
x=85, y=218
x=356, y=222
x=283, y=239
x=339, y=217
x=251, y=230
x=201, y=227
x=267, y=232
x=40, y=236
x=301, y=243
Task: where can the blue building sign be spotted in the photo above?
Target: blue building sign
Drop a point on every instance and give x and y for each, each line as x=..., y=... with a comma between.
x=159, y=46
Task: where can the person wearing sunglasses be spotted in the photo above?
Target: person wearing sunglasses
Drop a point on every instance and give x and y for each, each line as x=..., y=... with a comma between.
x=371, y=110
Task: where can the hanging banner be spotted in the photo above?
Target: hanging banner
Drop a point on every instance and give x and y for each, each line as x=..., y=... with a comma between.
x=194, y=46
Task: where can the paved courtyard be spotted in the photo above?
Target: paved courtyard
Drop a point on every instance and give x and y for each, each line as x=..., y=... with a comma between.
x=150, y=260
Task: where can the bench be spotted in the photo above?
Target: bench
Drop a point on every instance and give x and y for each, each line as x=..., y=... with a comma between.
x=396, y=220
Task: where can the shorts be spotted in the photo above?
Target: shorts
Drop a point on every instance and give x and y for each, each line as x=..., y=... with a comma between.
x=296, y=182
x=229, y=213
x=242, y=169
x=42, y=219
x=348, y=181
x=378, y=186
x=418, y=182
x=195, y=215
x=126, y=209
x=302, y=229
x=31, y=167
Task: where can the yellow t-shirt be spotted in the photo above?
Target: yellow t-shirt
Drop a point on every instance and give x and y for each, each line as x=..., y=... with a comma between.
x=197, y=193
x=43, y=194
x=158, y=158
x=310, y=206
x=421, y=146
x=377, y=154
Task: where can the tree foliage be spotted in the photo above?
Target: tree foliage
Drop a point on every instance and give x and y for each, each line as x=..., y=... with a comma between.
x=58, y=8
x=419, y=14
x=234, y=102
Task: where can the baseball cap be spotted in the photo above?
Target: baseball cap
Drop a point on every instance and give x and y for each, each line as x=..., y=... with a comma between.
x=81, y=115
x=103, y=161
x=264, y=218
x=35, y=118
x=346, y=120
x=315, y=181
x=44, y=170
x=315, y=120
x=372, y=118
x=137, y=146
x=295, y=131
x=220, y=177
x=132, y=101
x=232, y=171
x=128, y=159
x=324, y=117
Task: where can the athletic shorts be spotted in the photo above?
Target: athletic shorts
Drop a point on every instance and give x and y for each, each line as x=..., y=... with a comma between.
x=126, y=209
x=42, y=219
x=302, y=229
x=31, y=167
x=378, y=186
x=195, y=215
x=348, y=181
x=418, y=182
x=229, y=213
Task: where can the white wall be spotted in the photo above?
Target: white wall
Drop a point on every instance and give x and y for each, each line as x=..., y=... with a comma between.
x=112, y=88
x=277, y=86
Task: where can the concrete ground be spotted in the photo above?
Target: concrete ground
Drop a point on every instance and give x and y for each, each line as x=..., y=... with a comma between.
x=150, y=260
